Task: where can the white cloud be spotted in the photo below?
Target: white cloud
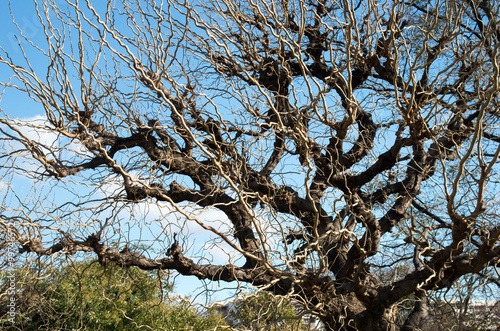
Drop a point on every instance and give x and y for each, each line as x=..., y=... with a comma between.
x=3, y=185
x=37, y=130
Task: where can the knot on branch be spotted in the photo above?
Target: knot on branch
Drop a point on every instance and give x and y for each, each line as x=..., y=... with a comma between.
x=286, y=194
x=175, y=249
x=135, y=193
x=93, y=239
x=125, y=250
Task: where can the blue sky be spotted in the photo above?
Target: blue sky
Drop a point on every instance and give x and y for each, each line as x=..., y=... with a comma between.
x=17, y=105
x=9, y=39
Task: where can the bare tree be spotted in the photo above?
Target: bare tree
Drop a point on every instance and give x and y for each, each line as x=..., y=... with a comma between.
x=351, y=146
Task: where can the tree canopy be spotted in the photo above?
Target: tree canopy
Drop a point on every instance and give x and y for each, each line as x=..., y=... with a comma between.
x=87, y=296
x=341, y=153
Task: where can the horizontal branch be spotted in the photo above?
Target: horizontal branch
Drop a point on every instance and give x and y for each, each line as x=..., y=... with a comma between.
x=175, y=260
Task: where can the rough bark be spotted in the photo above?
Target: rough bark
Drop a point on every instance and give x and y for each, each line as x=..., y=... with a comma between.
x=341, y=143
